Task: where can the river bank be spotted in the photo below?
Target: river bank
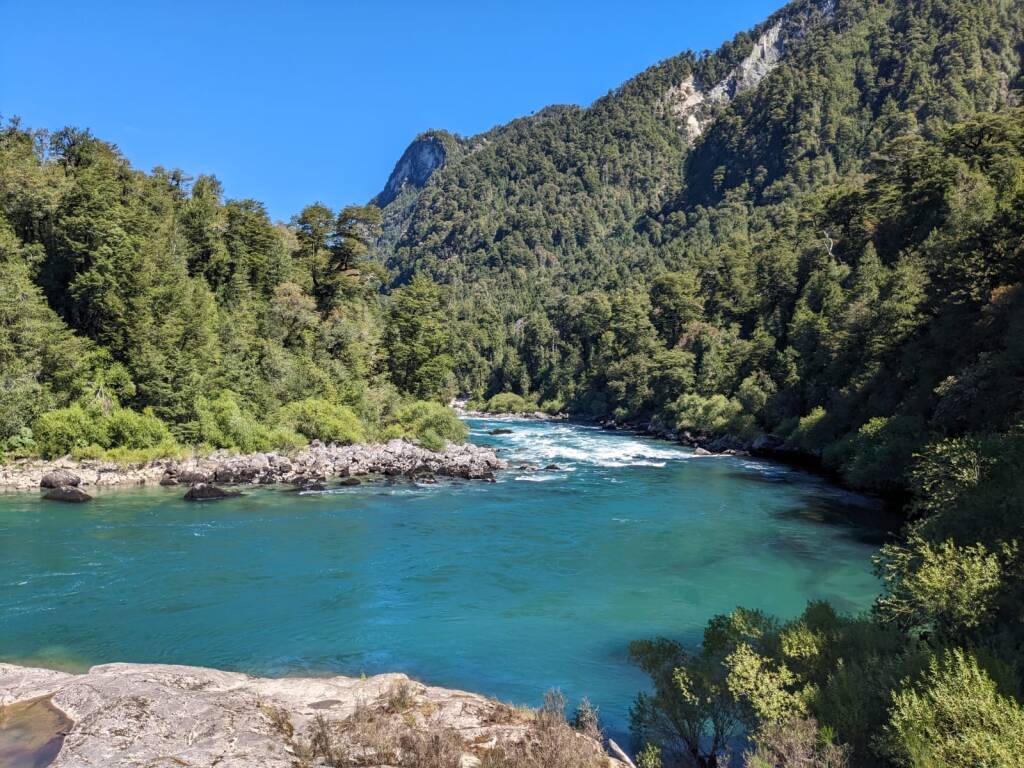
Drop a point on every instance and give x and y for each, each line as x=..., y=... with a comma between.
x=313, y=464
x=154, y=714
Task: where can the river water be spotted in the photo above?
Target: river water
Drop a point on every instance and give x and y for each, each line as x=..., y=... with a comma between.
x=537, y=581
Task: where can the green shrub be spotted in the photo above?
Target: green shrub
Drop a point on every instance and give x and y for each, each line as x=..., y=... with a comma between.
x=223, y=423
x=319, y=419
x=432, y=425
x=708, y=415
x=21, y=444
x=813, y=431
x=126, y=428
x=878, y=455
x=61, y=431
x=88, y=432
x=122, y=455
x=955, y=717
x=510, y=402
x=284, y=439
x=553, y=407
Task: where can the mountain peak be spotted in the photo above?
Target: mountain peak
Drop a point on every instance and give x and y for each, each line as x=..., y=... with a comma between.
x=421, y=158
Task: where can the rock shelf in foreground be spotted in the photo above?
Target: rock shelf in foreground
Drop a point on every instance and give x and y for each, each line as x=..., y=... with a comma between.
x=159, y=715
x=316, y=462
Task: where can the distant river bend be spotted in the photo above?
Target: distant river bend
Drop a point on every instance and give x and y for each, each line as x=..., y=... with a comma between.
x=537, y=581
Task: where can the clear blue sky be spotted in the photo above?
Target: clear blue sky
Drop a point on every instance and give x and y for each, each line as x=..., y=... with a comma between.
x=294, y=102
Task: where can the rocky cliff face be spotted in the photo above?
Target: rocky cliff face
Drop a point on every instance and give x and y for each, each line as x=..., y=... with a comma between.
x=421, y=158
x=692, y=102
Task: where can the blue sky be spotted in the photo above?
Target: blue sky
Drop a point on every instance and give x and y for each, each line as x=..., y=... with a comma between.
x=294, y=102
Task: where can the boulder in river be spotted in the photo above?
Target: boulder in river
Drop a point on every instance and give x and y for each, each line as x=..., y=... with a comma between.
x=500, y=431
x=552, y=468
x=69, y=493
x=351, y=481
x=209, y=492
x=58, y=478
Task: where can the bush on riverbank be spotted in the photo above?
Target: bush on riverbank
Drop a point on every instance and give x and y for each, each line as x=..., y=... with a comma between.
x=717, y=414
x=319, y=419
x=507, y=402
x=431, y=425
x=88, y=431
x=78, y=427
x=224, y=423
x=510, y=402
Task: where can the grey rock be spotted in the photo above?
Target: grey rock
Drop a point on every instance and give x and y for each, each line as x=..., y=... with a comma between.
x=209, y=492
x=192, y=476
x=162, y=715
x=68, y=493
x=58, y=478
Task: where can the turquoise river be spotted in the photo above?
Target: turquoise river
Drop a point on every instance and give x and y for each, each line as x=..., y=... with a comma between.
x=537, y=581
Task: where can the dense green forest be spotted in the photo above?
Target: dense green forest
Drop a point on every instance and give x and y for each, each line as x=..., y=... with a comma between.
x=141, y=314
x=833, y=262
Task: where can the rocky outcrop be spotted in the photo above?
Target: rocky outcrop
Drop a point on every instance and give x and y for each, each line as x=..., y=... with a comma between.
x=158, y=715
x=67, y=493
x=319, y=462
x=414, y=168
x=692, y=102
x=313, y=464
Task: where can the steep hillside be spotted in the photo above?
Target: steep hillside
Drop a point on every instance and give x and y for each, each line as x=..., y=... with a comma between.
x=734, y=225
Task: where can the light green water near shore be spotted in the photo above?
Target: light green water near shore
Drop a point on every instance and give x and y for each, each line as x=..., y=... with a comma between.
x=537, y=581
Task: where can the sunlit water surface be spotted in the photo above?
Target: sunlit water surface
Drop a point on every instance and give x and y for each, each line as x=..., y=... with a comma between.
x=537, y=581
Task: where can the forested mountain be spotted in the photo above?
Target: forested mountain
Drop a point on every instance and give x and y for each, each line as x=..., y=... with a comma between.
x=809, y=232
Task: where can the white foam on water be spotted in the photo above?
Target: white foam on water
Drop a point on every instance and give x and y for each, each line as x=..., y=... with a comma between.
x=547, y=443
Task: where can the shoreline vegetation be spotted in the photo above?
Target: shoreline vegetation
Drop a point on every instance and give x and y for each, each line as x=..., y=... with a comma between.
x=148, y=714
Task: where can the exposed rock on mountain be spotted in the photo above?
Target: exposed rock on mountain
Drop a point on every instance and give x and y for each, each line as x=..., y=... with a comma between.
x=425, y=155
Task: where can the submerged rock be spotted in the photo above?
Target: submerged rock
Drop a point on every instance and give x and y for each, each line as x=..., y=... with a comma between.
x=58, y=478
x=209, y=492
x=501, y=431
x=67, y=493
